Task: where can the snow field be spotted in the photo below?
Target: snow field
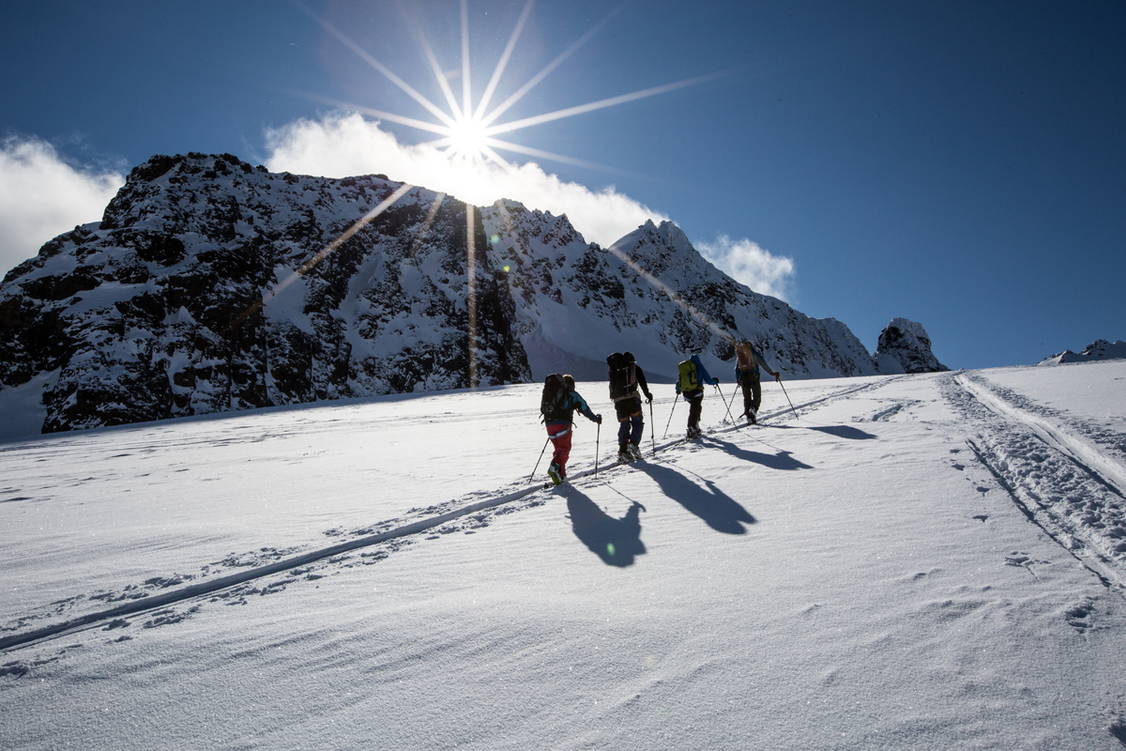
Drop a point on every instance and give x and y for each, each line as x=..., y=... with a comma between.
x=851, y=578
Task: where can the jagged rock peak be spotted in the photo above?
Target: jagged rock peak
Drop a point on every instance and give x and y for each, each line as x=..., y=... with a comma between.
x=1100, y=349
x=193, y=162
x=905, y=347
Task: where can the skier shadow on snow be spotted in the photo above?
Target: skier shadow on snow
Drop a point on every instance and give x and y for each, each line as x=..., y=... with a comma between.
x=616, y=541
x=720, y=511
x=781, y=460
x=840, y=431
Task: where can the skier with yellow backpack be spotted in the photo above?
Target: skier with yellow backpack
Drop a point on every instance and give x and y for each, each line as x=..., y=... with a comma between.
x=691, y=377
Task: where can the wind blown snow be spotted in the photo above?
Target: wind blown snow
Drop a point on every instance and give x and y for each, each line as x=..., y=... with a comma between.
x=929, y=561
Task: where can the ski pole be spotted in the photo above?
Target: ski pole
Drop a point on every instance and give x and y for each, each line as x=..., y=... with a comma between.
x=787, y=397
x=653, y=427
x=667, y=424
x=723, y=399
x=597, y=440
x=540, y=459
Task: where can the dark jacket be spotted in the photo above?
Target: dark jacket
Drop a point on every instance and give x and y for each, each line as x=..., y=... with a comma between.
x=748, y=360
x=631, y=392
x=564, y=411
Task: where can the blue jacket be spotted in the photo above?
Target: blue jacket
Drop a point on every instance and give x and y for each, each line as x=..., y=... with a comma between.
x=701, y=373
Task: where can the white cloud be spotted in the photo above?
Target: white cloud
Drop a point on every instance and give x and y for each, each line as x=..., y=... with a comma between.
x=42, y=196
x=746, y=262
x=340, y=145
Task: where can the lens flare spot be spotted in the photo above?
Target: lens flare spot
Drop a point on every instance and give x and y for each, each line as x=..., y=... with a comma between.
x=506, y=269
x=610, y=549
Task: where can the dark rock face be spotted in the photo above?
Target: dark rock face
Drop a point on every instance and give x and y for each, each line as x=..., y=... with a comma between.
x=905, y=347
x=186, y=299
x=211, y=285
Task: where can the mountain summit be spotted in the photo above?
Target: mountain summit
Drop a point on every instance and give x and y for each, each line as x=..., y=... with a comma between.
x=213, y=285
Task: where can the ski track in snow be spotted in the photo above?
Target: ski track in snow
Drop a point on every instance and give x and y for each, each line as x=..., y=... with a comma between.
x=1056, y=477
x=270, y=570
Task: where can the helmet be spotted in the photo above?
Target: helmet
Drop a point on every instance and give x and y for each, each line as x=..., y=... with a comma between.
x=628, y=356
x=569, y=382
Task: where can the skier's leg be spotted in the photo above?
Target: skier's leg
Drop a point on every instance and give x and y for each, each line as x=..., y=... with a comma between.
x=748, y=398
x=756, y=392
x=623, y=424
x=560, y=434
x=563, y=452
x=695, y=408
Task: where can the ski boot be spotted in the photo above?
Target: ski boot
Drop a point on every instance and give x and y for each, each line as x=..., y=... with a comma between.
x=624, y=455
x=555, y=474
x=634, y=451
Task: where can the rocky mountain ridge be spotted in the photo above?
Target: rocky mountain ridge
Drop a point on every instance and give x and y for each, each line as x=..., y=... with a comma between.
x=213, y=285
x=1100, y=349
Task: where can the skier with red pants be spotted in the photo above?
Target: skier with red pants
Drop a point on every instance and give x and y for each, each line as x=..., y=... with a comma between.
x=558, y=405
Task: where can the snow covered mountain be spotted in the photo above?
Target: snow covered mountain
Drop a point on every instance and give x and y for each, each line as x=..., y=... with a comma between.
x=1100, y=349
x=211, y=285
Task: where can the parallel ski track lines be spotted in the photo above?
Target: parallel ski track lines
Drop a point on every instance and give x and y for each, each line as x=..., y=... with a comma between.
x=999, y=444
x=1106, y=468
x=200, y=589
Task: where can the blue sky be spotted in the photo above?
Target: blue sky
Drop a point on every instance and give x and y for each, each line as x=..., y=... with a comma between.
x=962, y=164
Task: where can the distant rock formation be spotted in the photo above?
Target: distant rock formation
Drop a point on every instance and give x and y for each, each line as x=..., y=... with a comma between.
x=212, y=285
x=905, y=347
x=1100, y=349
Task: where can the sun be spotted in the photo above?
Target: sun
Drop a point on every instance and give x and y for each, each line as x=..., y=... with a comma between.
x=468, y=138
x=467, y=129
x=467, y=133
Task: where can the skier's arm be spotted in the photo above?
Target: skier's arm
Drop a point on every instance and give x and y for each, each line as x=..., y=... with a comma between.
x=762, y=363
x=707, y=378
x=644, y=386
x=584, y=408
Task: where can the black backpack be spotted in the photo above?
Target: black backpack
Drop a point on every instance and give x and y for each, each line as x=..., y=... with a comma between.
x=554, y=392
x=623, y=376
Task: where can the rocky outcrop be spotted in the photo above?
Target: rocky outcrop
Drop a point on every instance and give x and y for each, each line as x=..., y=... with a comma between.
x=905, y=347
x=212, y=285
x=1100, y=349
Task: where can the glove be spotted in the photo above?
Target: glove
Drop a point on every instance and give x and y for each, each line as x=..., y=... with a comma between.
x=777, y=375
x=648, y=398
x=598, y=419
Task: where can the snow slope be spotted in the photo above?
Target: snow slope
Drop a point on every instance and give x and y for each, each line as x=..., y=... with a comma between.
x=929, y=561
